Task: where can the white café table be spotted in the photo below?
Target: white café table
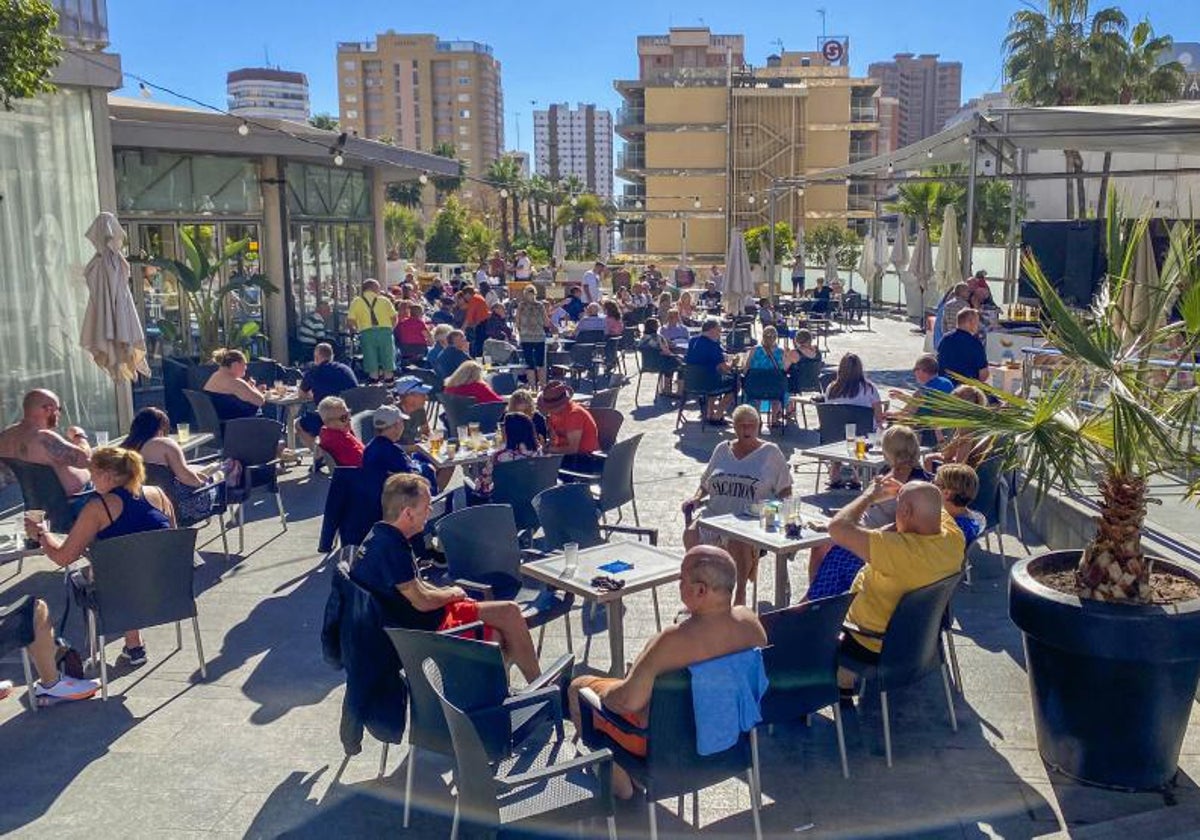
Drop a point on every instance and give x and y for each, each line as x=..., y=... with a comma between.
x=837, y=453
x=748, y=529
x=652, y=567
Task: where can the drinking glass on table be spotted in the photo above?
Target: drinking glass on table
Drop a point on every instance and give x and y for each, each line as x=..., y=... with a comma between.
x=570, y=559
x=473, y=430
x=101, y=438
x=435, y=442
x=183, y=431
x=851, y=437
x=462, y=435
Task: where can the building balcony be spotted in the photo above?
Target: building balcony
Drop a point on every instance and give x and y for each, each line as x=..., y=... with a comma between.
x=864, y=114
x=631, y=158
x=83, y=24
x=631, y=119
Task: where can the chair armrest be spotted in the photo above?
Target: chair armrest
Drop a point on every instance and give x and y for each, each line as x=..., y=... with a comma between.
x=555, y=674
x=581, y=476
x=485, y=590
x=854, y=628
x=602, y=759
x=548, y=694
x=650, y=533
x=205, y=459
x=592, y=699
x=473, y=627
x=533, y=554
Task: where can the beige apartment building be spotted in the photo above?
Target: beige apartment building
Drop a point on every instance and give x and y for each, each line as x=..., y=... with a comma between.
x=421, y=91
x=706, y=134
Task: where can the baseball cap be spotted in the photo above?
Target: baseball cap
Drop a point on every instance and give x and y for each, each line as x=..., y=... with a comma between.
x=387, y=416
x=410, y=385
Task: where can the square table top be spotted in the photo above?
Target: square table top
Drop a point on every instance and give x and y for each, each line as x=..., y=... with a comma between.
x=836, y=451
x=652, y=566
x=462, y=457
x=748, y=529
x=289, y=396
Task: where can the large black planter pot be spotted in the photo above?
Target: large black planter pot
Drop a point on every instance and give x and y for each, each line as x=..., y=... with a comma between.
x=1112, y=684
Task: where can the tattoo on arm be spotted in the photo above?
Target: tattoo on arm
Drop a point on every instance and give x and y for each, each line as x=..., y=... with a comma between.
x=64, y=453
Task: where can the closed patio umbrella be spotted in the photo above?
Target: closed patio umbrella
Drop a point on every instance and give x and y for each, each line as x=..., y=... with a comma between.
x=921, y=271
x=866, y=262
x=831, y=267
x=419, y=255
x=1135, y=295
x=739, y=284
x=875, y=287
x=559, y=251
x=899, y=256
x=112, y=331
x=948, y=268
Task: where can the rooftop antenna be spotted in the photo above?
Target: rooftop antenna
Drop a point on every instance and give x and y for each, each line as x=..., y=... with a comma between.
x=779, y=41
x=266, y=56
x=823, y=13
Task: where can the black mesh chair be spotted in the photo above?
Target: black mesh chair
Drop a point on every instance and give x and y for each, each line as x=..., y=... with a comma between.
x=41, y=490
x=479, y=682
x=802, y=663
x=671, y=767
x=912, y=648
x=362, y=425
x=144, y=580
x=606, y=398
x=585, y=361
x=487, y=415
x=253, y=442
x=832, y=421
x=532, y=800
x=483, y=557
x=159, y=475
x=455, y=412
x=804, y=375
x=412, y=354
x=17, y=631
x=653, y=361
x=629, y=341
x=504, y=383
x=204, y=414
x=608, y=425
x=992, y=501
x=569, y=513
x=700, y=384
x=515, y=483
x=364, y=397
x=764, y=385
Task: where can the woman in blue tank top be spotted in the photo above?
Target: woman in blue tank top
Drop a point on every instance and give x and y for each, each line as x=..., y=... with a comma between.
x=121, y=506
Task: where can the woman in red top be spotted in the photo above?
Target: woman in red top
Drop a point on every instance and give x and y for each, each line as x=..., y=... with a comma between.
x=467, y=381
x=410, y=328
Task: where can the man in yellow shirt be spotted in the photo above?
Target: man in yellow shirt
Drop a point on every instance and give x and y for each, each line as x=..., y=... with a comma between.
x=926, y=546
x=373, y=315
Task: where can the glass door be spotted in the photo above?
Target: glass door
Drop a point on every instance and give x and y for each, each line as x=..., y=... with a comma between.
x=159, y=298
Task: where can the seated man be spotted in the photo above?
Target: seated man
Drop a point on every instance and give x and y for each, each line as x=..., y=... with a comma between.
x=573, y=432
x=705, y=350
x=384, y=455
x=33, y=439
x=710, y=296
x=326, y=378
x=592, y=320
x=962, y=353
x=926, y=546
x=456, y=352
x=714, y=627
x=386, y=568
x=926, y=372
x=573, y=304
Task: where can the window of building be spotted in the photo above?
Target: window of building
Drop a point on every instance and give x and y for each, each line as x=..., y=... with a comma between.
x=464, y=97
x=465, y=113
x=352, y=114
x=464, y=146
x=462, y=131
x=464, y=81
x=350, y=82
x=350, y=65
x=462, y=64
x=351, y=97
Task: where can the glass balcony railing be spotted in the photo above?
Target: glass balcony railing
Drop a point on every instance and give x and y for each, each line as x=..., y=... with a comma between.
x=631, y=158
x=83, y=23
x=864, y=113
x=627, y=115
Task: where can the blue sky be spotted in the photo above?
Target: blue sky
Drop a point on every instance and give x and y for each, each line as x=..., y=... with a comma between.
x=555, y=51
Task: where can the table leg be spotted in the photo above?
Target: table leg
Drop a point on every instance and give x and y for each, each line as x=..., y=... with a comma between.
x=616, y=638
x=293, y=413
x=783, y=584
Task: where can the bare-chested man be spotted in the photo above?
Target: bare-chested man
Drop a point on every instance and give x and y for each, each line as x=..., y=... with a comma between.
x=35, y=439
x=714, y=628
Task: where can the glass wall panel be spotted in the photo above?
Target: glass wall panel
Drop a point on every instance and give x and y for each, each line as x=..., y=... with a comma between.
x=327, y=191
x=149, y=181
x=48, y=181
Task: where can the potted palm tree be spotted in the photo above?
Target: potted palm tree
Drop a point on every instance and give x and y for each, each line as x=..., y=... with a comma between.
x=1112, y=635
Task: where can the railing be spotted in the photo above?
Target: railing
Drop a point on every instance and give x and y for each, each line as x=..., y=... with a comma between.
x=631, y=158
x=864, y=113
x=627, y=115
x=692, y=76
x=83, y=22
x=859, y=153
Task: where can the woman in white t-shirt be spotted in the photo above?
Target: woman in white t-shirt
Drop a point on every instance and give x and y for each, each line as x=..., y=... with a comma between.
x=851, y=387
x=740, y=473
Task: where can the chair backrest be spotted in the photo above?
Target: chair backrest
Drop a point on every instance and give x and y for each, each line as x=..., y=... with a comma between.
x=477, y=790
x=504, y=383
x=629, y=336
x=160, y=476
x=616, y=479
x=412, y=352
x=698, y=379
x=252, y=440
x=487, y=415
x=606, y=398
x=568, y=513
x=204, y=413
x=802, y=660
x=608, y=425
x=515, y=483
x=42, y=490
x=804, y=375
x=364, y=397
x=144, y=579
x=591, y=337
x=653, y=361
x=672, y=762
x=989, y=499
x=459, y=659
x=480, y=541
x=456, y=410
x=764, y=384
x=583, y=354
x=362, y=424
x=912, y=642
x=834, y=418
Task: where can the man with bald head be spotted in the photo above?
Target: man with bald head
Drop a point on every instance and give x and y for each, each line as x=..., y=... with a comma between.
x=35, y=439
x=926, y=546
x=714, y=627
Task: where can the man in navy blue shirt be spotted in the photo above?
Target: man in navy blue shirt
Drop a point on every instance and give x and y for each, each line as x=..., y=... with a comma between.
x=454, y=355
x=574, y=304
x=384, y=456
x=961, y=352
x=705, y=351
x=326, y=378
x=385, y=567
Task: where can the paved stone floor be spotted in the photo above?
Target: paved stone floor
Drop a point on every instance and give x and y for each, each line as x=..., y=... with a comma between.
x=253, y=751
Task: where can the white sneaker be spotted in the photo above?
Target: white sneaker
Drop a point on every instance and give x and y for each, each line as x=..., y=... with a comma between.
x=67, y=688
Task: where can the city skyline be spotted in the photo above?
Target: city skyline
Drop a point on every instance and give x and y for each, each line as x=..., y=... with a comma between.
x=545, y=64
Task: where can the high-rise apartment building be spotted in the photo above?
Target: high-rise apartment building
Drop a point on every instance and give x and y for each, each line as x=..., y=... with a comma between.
x=420, y=91
x=264, y=92
x=706, y=135
x=575, y=142
x=929, y=92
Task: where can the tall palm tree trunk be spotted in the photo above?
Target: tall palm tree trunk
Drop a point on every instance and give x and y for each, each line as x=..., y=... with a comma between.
x=504, y=227
x=1113, y=567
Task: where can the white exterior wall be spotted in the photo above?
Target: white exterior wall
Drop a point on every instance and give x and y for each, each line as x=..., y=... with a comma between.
x=269, y=99
x=574, y=141
x=1168, y=196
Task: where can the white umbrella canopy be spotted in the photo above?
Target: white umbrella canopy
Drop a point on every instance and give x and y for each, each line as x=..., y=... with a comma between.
x=947, y=270
x=112, y=331
x=1134, y=310
x=899, y=256
x=866, y=262
x=875, y=286
x=559, y=249
x=921, y=266
x=831, y=267
x=419, y=255
x=739, y=284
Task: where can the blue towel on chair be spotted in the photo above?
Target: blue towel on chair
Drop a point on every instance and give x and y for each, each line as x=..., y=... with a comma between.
x=727, y=695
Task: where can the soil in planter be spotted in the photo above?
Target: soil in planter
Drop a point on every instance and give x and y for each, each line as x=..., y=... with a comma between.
x=1165, y=587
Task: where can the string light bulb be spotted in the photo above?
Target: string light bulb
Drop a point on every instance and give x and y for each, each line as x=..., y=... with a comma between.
x=145, y=91
x=929, y=154
x=243, y=128
x=338, y=160
x=849, y=182
x=891, y=167
x=638, y=204
x=423, y=178
x=750, y=199
x=696, y=203
x=503, y=193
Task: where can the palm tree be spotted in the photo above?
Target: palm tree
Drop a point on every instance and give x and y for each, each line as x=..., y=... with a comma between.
x=328, y=122
x=448, y=183
x=538, y=193
x=402, y=227
x=504, y=174
x=1143, y=426
x=581, y=212
x=926, y=201
x=1053, y=58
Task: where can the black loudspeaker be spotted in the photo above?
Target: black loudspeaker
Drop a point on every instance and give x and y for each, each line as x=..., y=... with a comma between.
x=1071, y=255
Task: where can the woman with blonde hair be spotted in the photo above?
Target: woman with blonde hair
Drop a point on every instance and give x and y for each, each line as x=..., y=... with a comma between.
x=467, y=381
x=121, y=506
x=232, y=395
x=960, y=447
x=665, y=304
x=687, y=308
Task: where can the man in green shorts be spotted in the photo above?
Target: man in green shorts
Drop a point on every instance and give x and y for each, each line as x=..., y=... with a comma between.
x=373, y=316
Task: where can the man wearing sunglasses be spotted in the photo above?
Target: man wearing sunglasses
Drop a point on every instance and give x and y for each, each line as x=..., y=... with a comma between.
x=35, y=439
